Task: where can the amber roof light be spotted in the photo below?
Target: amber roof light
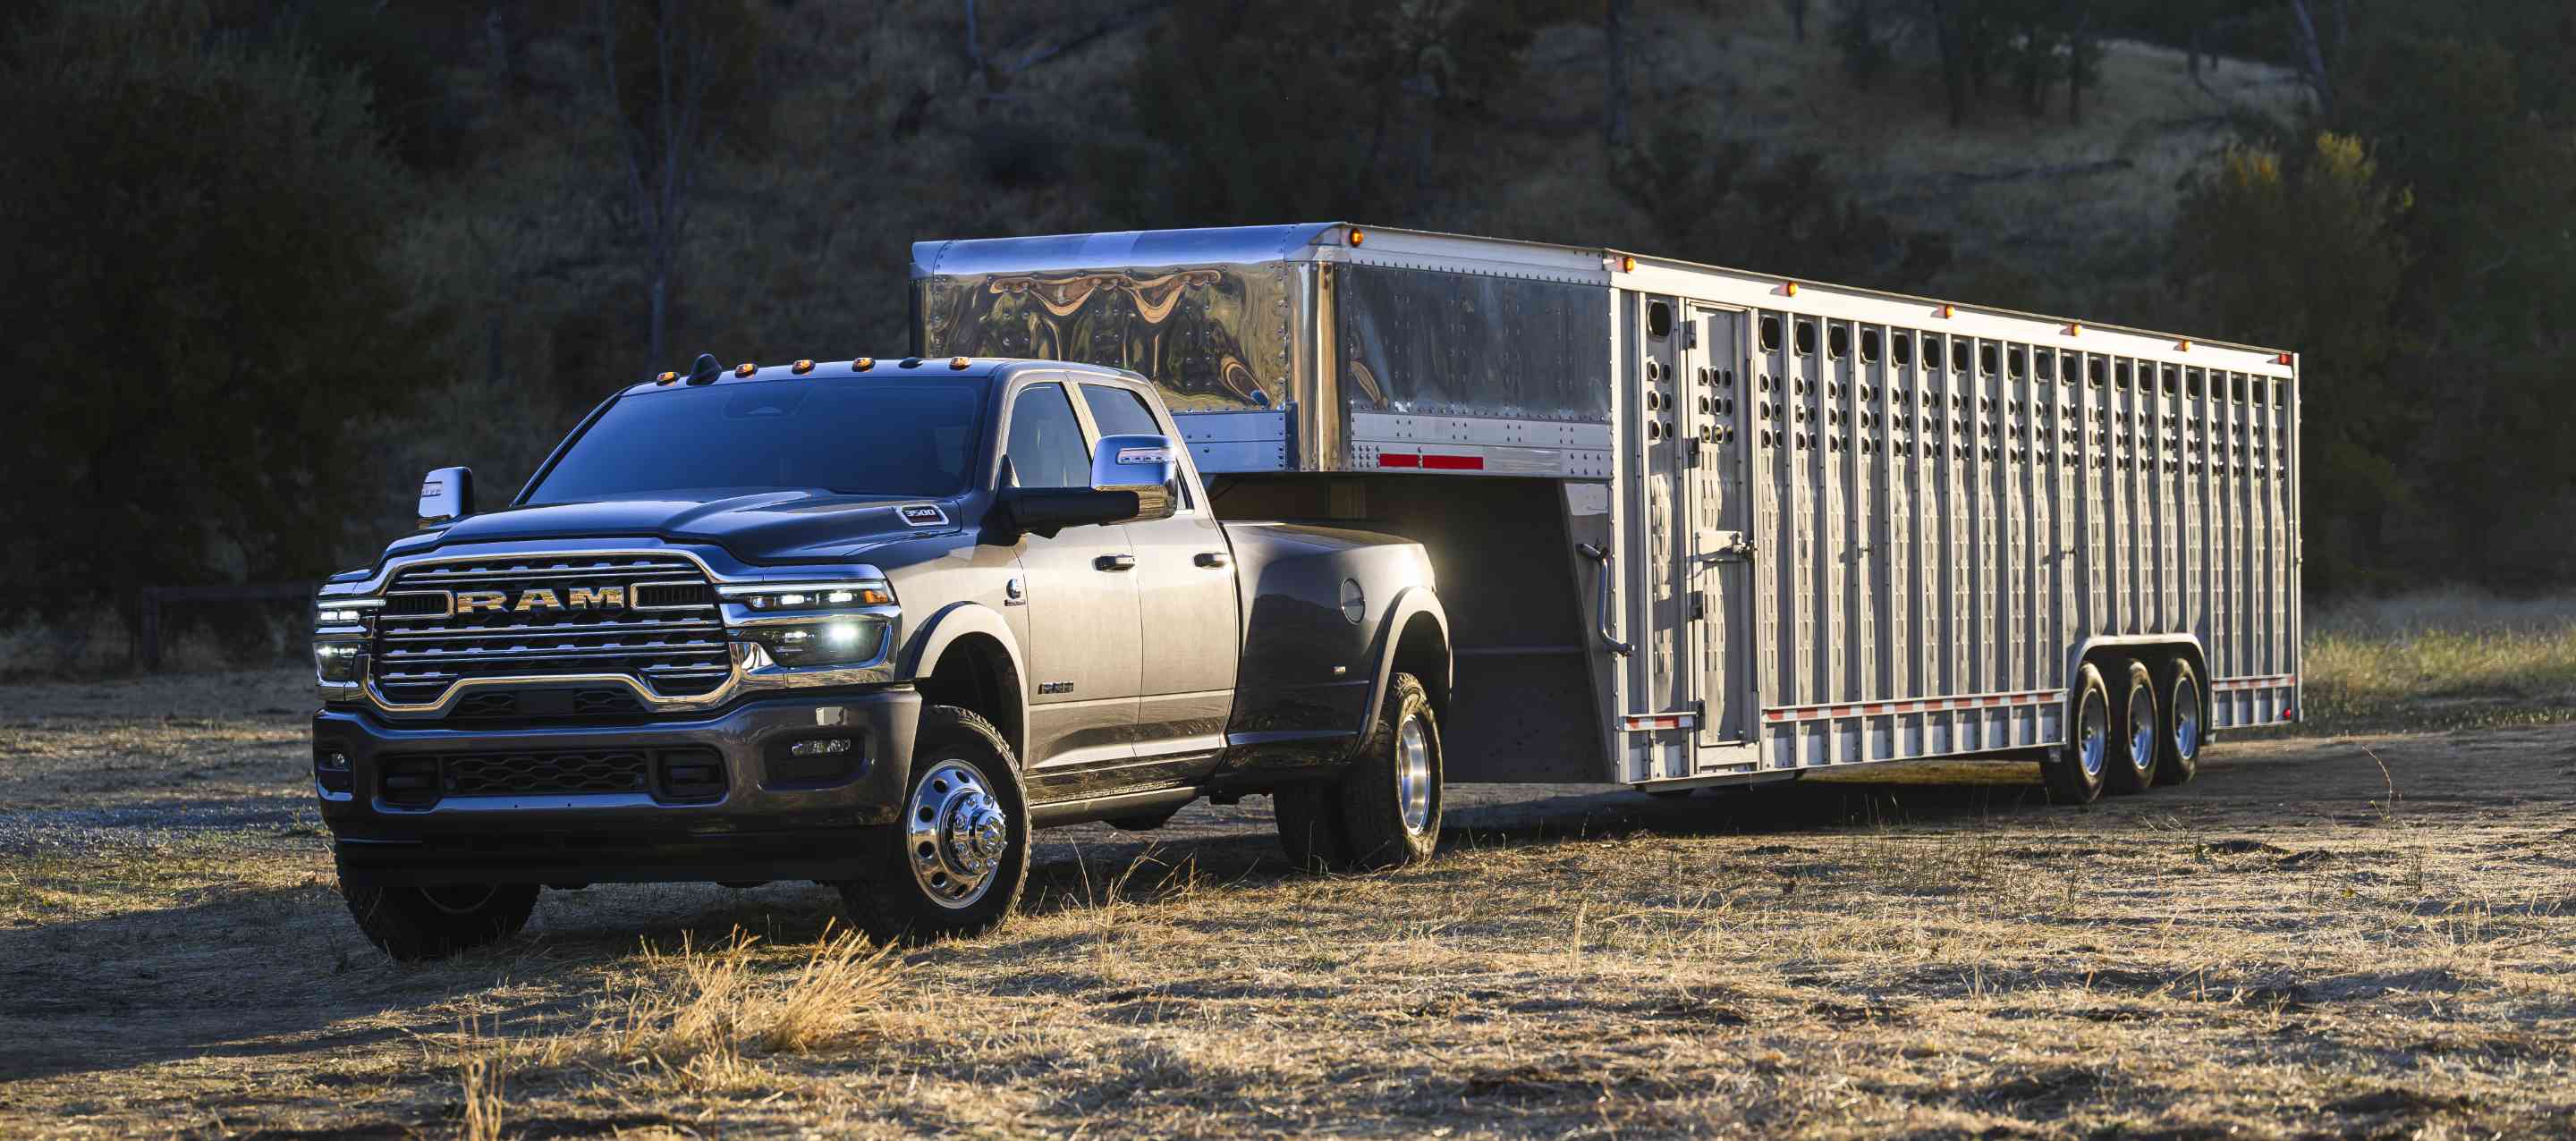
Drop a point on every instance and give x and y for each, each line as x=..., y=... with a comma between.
x=863, y=364
x=802, y=367
x=746, y=368
x=956, y=362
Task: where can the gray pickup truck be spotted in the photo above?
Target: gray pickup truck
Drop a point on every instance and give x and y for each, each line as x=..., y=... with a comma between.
x=861, y=622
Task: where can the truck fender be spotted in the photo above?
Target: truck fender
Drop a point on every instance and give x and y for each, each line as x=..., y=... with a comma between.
x=958, y=620
x=1390, y=635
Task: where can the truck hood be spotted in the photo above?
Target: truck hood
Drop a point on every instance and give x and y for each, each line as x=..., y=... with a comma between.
x=765, y=527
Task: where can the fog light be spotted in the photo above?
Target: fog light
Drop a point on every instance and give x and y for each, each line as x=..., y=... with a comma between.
x=331, y=770
x=819, y=748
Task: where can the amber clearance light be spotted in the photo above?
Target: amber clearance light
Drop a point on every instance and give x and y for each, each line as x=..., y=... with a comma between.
x=746, y=368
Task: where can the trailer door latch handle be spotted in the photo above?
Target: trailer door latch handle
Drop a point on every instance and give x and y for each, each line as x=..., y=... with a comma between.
x=1601, y=555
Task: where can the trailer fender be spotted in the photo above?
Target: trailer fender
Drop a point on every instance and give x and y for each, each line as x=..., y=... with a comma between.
x=1416, y=602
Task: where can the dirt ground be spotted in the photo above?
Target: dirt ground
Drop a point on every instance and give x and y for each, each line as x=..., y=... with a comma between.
x=2345, y=937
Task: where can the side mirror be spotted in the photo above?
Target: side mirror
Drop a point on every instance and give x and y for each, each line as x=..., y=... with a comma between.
x=1150, y=466
x=1047, y=510
x=446, y=495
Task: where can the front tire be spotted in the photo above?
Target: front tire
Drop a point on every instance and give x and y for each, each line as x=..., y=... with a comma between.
x=954, y=864
x=434, y=921
x=2133, y=751
x=1384, y=811
x=2074, y=775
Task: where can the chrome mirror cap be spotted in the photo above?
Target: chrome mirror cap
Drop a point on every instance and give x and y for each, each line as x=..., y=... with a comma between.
x=1150, y=466
x=446, y=495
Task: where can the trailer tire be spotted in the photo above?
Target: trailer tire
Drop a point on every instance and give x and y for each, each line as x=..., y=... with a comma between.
x=2133, y=751
x=2185, y=726
x=954, y=864
x=434, y=921
x=2074, y=774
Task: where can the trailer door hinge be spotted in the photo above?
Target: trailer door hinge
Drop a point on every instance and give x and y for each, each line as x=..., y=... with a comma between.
x=1690, y=335
x=1699, y=605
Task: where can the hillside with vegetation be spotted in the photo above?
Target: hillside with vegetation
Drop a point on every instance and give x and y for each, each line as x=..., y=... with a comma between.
x=276, y=257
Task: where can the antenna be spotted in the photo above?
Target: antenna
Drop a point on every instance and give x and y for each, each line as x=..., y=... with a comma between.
x=706, y=370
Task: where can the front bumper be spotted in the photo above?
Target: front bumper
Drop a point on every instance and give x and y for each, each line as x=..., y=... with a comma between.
x=758, y=821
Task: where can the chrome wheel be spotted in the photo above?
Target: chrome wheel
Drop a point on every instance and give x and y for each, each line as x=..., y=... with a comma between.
x=2096, y=742
x=2142, y=731
x=1413, y=775
x=956, y=833
x=459, y=898
x=2186, y=715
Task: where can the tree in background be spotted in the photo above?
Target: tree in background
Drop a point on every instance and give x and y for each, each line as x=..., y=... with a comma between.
x=1715, y=201
x=2302, y=250
x=198, y=299
x=671, y=73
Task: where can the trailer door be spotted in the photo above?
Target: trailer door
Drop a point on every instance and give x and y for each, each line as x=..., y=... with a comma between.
x=1718, y=554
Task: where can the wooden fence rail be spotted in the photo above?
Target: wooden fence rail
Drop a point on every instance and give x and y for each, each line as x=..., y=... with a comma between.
x=150, y=600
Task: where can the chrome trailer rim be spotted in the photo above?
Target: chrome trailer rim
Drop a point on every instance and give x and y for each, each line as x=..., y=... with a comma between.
x=955, y=832
x=2095, y=745
x=1413, y=774
x=2187, y=722
x=2142, y=733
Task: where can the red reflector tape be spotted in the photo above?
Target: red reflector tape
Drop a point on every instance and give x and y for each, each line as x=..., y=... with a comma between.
x=1454, y=463
x=1390, y=459
x=1646, y=722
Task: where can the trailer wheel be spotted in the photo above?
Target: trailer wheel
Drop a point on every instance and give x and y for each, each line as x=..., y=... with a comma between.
x=433, y=921
x=2133, y=751
x=2074, y=774
x=2186, y=727
x=1384, y=812
x=955, y=864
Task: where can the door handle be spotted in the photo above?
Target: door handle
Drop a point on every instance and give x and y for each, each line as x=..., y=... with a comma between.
x=1609, y=641
x=1211, y=559
x=1114, y=563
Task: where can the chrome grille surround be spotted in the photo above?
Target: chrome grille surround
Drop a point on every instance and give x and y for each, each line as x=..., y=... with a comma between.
x=746, y=667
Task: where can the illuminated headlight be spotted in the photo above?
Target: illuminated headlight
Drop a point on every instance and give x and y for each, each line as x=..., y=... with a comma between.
x=337, y=661
x=837, y=597
x=344, y=611
x=830, y=641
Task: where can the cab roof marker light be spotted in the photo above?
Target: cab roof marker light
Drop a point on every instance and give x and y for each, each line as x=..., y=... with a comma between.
x=957, y=362
x=863, y=364
x=746, y=368
x=666, y=378
x=802, y=367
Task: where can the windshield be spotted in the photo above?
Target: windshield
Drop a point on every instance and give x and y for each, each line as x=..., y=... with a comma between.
x=909, y=437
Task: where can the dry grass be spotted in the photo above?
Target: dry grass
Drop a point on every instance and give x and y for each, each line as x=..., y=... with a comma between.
x=2316, y=938
x=2443, y=660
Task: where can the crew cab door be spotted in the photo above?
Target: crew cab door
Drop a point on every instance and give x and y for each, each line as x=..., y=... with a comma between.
x=1084, y=649
x=1185, y=580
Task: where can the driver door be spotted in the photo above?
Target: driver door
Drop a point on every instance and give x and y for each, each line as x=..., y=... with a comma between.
x=1084, y=648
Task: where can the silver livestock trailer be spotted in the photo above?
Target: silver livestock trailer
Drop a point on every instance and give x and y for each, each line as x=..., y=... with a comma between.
x=1697, y=525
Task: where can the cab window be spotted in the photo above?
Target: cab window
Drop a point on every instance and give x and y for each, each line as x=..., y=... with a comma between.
x=1119, y=412
x=1046, y=448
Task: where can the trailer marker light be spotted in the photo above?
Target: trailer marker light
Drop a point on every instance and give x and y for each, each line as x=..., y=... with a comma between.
x=863, y=364
x=802, y=367
x=1627, y=265
x=2182, y=347
x=2283, y=359
x=1789, y=289
x=746, y=368
x=1358, y=235
x=1947, y=311
x=2074, y=328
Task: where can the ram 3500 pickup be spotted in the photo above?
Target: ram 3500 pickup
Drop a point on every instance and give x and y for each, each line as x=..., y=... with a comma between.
x=866, y=623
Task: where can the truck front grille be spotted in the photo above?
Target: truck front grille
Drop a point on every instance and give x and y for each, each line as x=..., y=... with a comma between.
x=662, y=629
